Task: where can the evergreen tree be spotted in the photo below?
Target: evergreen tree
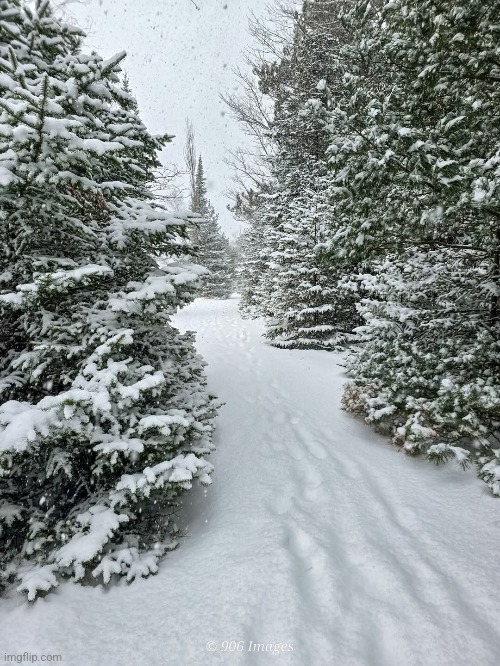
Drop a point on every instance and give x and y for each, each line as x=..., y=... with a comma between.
x=213, y=247
x=307, y=308
x=253, y=253
x=104, y=414
x=415, y=157
x=214, y=254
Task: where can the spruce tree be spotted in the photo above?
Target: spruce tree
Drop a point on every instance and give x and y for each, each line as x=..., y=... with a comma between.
x=213, y=247
x=252, y=268
x=104, y=414
x=252, y=260
x=306, y=306
x=415, y=158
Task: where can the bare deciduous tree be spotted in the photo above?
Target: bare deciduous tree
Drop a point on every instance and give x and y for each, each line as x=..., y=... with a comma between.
x=167, y=186
x=190, y=158
x=62, y=6
x=253, y=107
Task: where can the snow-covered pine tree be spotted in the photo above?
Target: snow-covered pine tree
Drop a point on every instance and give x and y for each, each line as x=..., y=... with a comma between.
x=252, y=109
x=213, y=250
x=253, y=258
x=416, y=160
x=305, y=300
x=215, y=254
x=308, y=310
x=104, y=414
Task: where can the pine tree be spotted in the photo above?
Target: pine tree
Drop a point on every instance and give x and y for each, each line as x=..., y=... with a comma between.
x=104, y=415
x=415, y=158
x=307, y=308
x=253, y=256
x=213, y=247
x=251, y=271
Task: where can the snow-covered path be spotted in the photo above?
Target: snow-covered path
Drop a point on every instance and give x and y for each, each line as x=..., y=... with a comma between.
x=316, y=533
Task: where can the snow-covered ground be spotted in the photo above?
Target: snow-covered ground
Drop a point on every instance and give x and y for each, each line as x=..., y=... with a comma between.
x=316, y=534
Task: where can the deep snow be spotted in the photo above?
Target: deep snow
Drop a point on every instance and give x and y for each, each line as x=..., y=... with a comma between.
x=316, y=533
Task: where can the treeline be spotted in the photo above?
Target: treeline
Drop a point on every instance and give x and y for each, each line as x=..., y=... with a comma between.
x=373, y=209
x=105, y=419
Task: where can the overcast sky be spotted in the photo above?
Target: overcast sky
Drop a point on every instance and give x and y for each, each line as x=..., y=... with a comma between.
x=179, y=60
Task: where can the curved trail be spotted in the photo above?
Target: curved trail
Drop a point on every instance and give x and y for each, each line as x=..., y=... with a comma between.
x=316, y=532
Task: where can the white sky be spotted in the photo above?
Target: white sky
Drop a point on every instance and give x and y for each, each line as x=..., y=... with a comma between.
x=179, y=60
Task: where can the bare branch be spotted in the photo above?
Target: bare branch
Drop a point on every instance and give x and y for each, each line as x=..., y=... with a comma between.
x=167, y=188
